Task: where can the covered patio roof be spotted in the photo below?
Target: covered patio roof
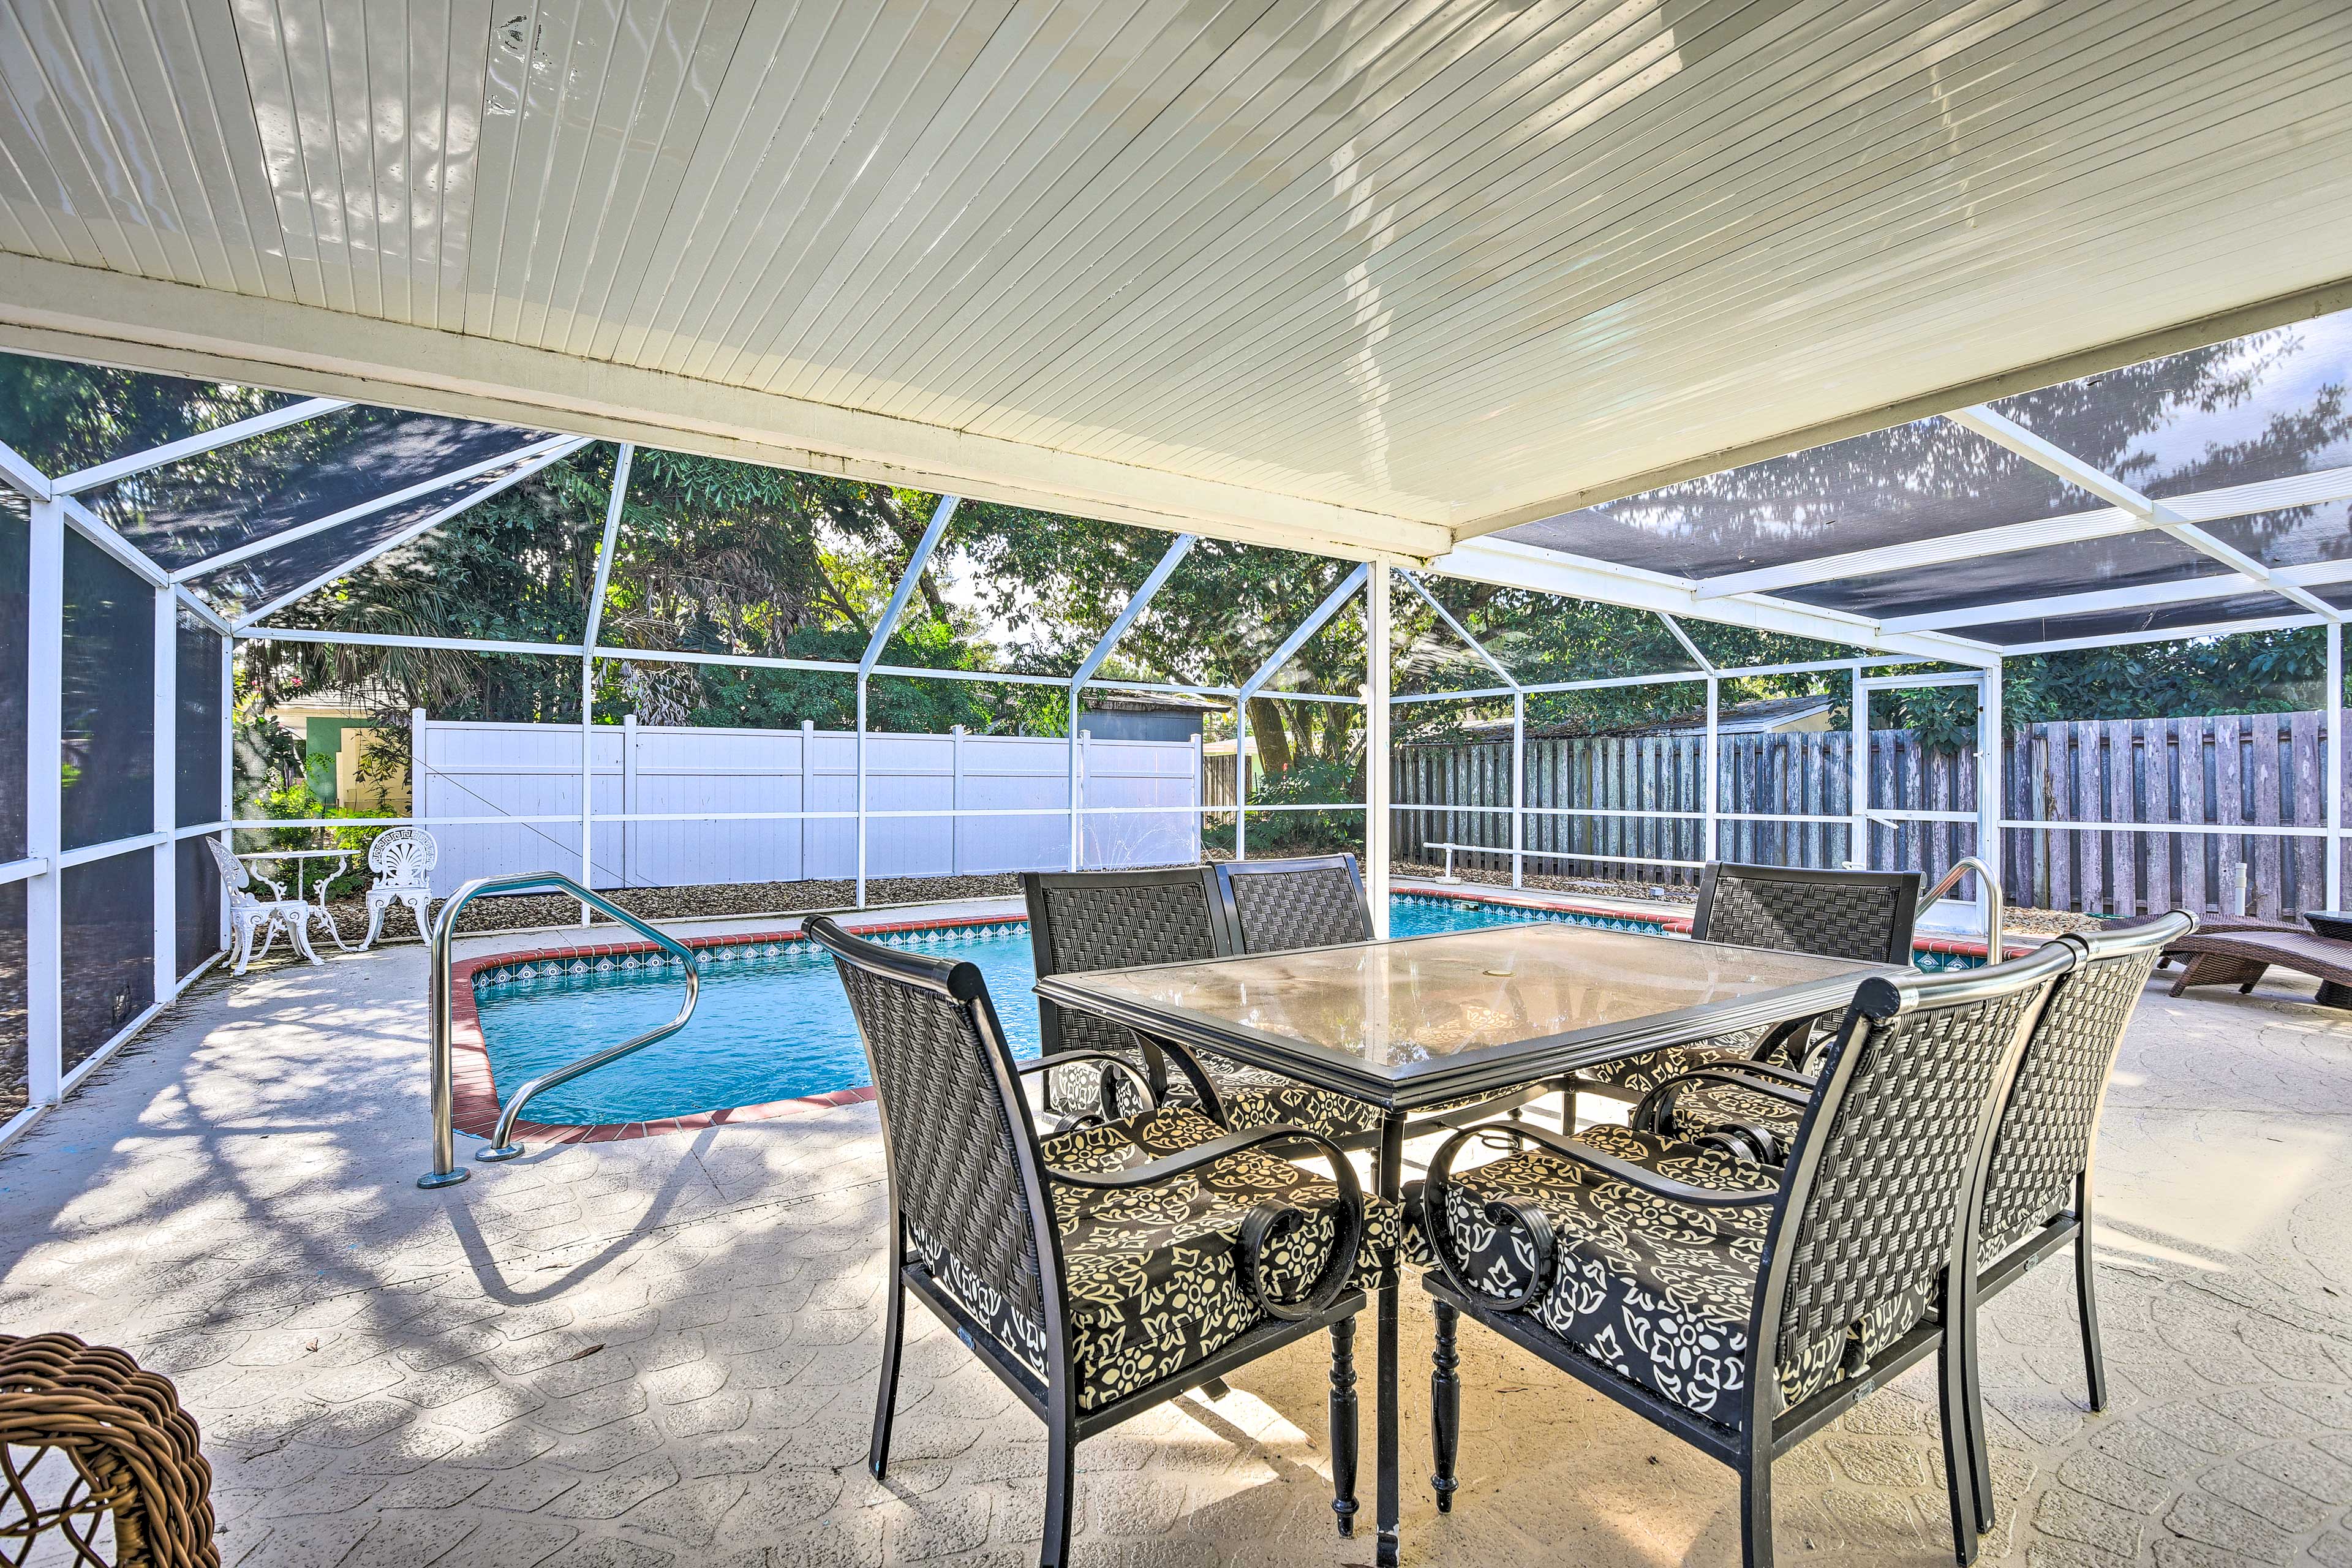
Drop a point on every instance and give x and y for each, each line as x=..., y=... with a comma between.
x=1441, y=283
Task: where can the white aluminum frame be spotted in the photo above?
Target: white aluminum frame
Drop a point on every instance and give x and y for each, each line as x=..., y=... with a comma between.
x=1745, y=599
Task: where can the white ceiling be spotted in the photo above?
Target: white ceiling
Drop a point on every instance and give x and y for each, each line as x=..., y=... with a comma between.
x=1351, y=276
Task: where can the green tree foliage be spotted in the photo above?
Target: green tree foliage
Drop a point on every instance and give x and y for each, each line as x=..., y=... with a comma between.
x=63, y=416
x=723, y=558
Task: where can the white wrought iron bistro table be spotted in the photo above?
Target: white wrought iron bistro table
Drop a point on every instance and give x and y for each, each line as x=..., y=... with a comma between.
x=1411, y=1024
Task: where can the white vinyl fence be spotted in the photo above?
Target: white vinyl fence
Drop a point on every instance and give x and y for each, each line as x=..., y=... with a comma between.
x=654, y=793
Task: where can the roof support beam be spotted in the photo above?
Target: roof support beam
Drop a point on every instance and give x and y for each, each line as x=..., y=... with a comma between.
x=90, y=313
x=1342, y=592
x=19, y=475
x=195, y=445
x=1413, y=580
x=1511, y=564
x=101, y=533
x=1689, y=647
x=2188, y=591
x=2168, y=634
x=625, y=459
x=1135, y=608
x=2237, y=321
x=1999, y=427
x=913, y=575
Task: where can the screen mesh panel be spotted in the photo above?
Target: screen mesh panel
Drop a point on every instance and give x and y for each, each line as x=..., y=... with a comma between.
x=2132, y=561
x=187, y=511
x=2297, y=536
x=1915, y=481
x=2114, y=623
x=197, y=738
x=196, y=889
x=530, y=582
x=64, y=417
x=2255, y=408
x=15, y=645
x=108, y=728
x=107, y=912
x=15, y=983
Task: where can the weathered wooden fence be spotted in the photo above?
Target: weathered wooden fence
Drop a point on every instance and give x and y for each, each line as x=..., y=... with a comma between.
x=2261, y=770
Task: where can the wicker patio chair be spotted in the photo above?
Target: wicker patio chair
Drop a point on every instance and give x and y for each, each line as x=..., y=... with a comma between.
x=1102, y=1271
x=1740, y=1312
x=1084, y=920
x=1866, y=915
x=87, y=1438
x=2038, y=1187
x=1305, y=900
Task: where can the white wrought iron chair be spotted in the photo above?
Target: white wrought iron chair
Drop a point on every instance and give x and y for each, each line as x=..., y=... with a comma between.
x=247, y=914
x=403, y=860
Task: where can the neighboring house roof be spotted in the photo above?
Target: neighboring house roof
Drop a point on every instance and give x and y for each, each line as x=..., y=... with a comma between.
x=1761, y=717
x=1154, y=702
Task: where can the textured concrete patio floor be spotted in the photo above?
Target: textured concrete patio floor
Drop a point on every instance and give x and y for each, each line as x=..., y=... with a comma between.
x=662, y=1351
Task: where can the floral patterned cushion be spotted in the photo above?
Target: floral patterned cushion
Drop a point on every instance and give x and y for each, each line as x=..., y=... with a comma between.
x=1153, y=1273
x=1642, y=1072
x=1639, y=1074
x=1711, y=1106
x=1658, y=1291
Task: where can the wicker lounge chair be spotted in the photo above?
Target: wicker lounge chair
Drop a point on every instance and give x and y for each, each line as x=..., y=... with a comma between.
x=2232, y=950
x=1060, y=1262
x=1866, y=915
x=1739, y=1311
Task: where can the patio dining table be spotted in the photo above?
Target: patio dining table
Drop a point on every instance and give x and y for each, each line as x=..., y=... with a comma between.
x=1407, y=1025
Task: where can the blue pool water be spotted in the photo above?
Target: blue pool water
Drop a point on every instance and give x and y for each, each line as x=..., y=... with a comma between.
x=774, y=1026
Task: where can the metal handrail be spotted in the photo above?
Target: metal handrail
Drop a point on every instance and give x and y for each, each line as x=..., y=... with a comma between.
x=445, y=1172
x=1994, y=953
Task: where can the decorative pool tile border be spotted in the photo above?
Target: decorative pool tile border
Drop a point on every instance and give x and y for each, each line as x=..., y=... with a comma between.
x=477, y=1096
x=476, y=1102
x=1933, y=954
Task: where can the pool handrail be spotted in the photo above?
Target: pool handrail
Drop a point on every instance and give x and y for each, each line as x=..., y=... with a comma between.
x=446, y=1172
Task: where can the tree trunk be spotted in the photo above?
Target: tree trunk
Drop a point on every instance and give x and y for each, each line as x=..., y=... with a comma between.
x=1273, y=739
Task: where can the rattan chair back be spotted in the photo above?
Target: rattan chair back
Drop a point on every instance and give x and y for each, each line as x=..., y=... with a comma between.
x=2051, y=1118
x=124, y=1452
x=1085, y=920
x=1890, y=1152
x=1280, y=906
x=1866, y=915
x=965, y=1169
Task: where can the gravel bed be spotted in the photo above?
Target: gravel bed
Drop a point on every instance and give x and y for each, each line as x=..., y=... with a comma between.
x=525, y=911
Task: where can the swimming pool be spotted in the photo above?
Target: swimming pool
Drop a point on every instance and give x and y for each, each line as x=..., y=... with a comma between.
x=772, y=1024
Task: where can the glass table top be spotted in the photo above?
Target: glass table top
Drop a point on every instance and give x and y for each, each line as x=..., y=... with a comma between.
x=1397, y=1006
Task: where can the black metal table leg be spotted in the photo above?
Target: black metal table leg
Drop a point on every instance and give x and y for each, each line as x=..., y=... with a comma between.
x=1390, y=1182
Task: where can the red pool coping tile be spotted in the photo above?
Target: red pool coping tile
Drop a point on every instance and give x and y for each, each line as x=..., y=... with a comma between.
x=476, y=1102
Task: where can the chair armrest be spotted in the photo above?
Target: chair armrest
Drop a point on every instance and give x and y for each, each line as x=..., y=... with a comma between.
x=1266, y=1222
x=277, y=889
x=1433, y=1200
x=1762, y=1078
x=1203, y=1087
x=1112, y=1059
x=1632, y=1175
